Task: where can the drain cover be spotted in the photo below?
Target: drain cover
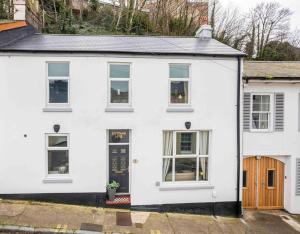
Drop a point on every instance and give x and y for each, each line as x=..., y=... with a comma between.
x=91, y=227
x=124, y=219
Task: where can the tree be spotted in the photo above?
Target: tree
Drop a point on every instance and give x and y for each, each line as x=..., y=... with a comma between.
x=269, y=22
x=279, y=51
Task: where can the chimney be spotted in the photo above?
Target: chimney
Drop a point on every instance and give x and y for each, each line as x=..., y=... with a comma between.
x=204, y=32
x=19, y=10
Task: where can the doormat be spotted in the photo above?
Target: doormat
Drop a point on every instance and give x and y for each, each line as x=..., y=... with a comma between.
x=124, y=219
x=91, y=227
x=122, y=200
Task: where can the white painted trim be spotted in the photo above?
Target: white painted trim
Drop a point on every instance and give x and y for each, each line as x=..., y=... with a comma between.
x=56, y=177
x=57, y=109
x=57, y=105
x=180, y=109
x=270, y=117
x=109, y=79
x=189, y=80
x=51, y=180
x=119, y=109
x=196, y=156
x=186, y=186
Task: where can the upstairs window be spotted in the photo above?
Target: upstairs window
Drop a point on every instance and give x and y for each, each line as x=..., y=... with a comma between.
x=179, y=75
x=119, y=82
x=58, y=83
x=261, y=112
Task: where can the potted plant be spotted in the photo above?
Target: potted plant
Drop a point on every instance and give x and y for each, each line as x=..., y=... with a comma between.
x=112, y=189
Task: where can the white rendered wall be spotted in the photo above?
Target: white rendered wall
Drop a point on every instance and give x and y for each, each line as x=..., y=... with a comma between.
x=23, y=95
x=281, y=145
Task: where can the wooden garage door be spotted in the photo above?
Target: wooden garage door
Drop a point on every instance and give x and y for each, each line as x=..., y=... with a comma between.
x=263, y=183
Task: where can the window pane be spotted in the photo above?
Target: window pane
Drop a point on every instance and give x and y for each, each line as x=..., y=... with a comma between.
x=256, y=107
x=271, y=178
x=265, y=107
x=58, y=69
x=186, y=143
x=119, y=71
x=57, y=141
x=265, y=99
x=255, y=121
x=179, y=71
x=167, y=143
x=185, y=169
x=118, y=136
x=263, y=125
x=58, y=162
x=119, y=92
x=179, y=92
x=203, y=169
x=256, y=99
x=167, y=169
x=58, y=91
x=244, y=179
x=204, y=142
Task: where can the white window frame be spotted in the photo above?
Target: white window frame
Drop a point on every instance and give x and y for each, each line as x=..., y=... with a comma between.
x=170, y=80
x=270, y=116
x=197, y=156
x=57, y=149
x=109, y=103
x=48, y=104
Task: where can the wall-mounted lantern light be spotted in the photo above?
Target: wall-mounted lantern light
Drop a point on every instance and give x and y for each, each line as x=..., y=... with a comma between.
x=188, y=125
x=56, y=128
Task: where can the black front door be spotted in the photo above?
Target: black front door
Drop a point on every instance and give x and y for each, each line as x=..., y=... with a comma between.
x=119, y=165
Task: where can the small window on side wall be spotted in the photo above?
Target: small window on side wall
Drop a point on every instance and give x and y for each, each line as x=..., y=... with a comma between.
x=58, y=83
x=245, y=179
x=179, y=75
x=58, y=154
x=119, y=82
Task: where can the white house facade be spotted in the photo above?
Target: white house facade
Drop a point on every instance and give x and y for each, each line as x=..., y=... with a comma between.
x=271, y=150
x=160, y=115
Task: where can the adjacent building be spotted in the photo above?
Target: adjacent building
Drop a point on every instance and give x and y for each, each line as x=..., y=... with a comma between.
x=271, y=167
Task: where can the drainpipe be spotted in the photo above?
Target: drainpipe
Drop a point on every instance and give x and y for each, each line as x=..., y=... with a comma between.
x=238, y=208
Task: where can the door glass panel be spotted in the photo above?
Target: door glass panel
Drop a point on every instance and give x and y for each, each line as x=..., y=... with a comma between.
x=271, y=178
x=118, y=136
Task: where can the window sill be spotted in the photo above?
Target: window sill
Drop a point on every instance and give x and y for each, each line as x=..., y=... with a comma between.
x=54, y=180
x=119, y=109
x=180, y=109
x=186, y=186
x=57, y=109
x=260, y=131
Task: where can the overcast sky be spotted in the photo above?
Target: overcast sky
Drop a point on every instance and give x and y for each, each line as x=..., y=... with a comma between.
x=245, y=5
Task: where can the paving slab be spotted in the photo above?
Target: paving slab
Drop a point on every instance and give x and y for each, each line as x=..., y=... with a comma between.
x=50, y=216
x=261, y=222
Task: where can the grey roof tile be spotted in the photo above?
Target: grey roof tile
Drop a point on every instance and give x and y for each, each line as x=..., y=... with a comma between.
x=121, y=44
x=272, y=69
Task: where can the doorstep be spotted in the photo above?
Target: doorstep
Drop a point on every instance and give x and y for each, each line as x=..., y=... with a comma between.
x=120, y=201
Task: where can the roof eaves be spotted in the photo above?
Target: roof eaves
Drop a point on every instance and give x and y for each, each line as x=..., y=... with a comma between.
x=239, y=55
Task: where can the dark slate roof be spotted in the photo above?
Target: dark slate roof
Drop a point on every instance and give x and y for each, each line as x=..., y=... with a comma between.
x=271, y=69
x=121, y=44
x=7, y=37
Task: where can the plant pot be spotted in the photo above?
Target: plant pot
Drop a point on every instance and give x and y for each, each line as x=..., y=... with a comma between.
x=111, y=194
